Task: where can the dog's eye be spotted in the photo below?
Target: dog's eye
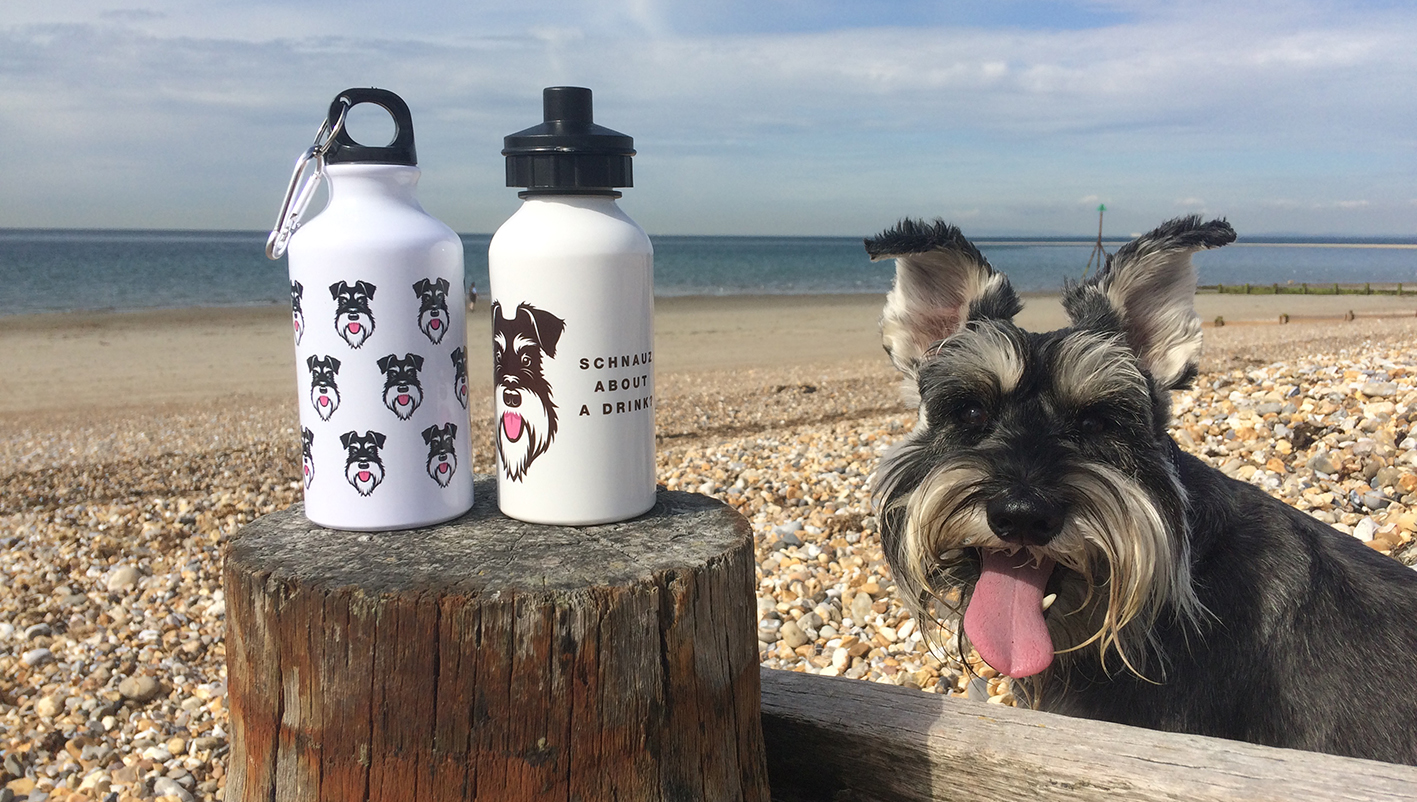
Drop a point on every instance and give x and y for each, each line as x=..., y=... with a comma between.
x=973, y=415
x=1091, y=423
x=526, y=360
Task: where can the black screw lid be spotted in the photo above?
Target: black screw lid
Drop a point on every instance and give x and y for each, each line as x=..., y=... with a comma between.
x=343, y=148
x=568, y=154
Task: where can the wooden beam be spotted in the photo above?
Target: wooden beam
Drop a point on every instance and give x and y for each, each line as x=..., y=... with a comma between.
x=830, y=738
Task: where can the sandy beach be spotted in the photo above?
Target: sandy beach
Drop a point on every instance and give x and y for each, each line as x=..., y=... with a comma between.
x=132, y=445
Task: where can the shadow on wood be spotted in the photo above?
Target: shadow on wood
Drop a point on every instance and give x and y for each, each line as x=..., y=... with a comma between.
x=844, y=740
x=487, y=658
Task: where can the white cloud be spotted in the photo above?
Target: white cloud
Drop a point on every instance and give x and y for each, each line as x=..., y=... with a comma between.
x=172, y=111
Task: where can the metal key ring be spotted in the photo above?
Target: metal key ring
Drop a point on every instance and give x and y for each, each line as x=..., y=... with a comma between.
x=301, y=189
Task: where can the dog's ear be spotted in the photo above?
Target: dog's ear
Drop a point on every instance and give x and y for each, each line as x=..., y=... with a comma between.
x=421, y=286
x=384, y=361
x=442, y=285
x=1147, y=293
x=346, y=438
x=338, y=288
x=452, y=429
x=378, y=438
x=548, y=328
x=941, y=282
x=366, y=288
x=311, y=361
x=417, y=361
x=333, y=363
x=429, y=433
x=297, y=289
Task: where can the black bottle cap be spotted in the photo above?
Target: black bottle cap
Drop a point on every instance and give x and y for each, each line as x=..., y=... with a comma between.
x=343, y=148
x=568, y=154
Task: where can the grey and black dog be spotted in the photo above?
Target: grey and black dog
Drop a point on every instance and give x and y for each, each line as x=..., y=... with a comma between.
x=1040, y=512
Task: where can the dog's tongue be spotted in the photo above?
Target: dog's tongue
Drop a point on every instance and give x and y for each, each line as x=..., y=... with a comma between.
x=403, y=400
x=1004, y=619
x=512, y=424
x=435, y=324
x=354, y=328
x=324, y=400
x=364, y=476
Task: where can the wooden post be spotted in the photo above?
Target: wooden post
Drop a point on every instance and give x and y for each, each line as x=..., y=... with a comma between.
x=488, y=658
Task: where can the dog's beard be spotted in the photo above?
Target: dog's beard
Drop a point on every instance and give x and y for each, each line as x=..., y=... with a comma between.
x=1117, y=564
x=442, y=466
x=356, y=331
x=308, y=465
x=460, y=390
x=364, y=477
x=299, y=322
x=525, y=433
x=403, y=403
x=434, y=324
x=325, y=403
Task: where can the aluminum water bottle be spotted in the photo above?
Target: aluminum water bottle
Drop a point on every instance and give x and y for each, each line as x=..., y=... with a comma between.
x=376, y=287
x=572, y=326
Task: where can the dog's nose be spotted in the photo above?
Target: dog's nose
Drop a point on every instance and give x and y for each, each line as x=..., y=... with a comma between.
x=511, y=398
x=1024, y=516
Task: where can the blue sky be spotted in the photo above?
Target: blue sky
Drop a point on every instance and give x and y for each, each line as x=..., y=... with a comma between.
x=750, y=116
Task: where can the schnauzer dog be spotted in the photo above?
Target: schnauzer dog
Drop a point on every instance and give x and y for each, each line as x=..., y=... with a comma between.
x=1040, y=499
x=459, y=357
x=324, y=393
x=442, y=458
x=402, y=392
x=353, y=320
x=432, y=308
x=362, y=466
x=307, y=456
x=527, y=420
x=297, y=292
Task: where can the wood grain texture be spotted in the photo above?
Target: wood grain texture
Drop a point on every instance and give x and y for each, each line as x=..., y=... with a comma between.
x=488, y=658
x=838, y=739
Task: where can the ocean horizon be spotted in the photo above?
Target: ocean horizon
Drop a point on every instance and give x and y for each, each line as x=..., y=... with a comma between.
x=65, y=270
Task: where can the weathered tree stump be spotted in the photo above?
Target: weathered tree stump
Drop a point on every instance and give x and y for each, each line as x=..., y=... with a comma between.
x=488, y=658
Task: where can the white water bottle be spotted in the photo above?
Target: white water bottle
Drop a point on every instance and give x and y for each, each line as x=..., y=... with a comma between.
x=376, y=289
x=573, y=326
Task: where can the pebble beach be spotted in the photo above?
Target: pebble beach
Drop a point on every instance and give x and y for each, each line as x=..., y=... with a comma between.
x=113, y=521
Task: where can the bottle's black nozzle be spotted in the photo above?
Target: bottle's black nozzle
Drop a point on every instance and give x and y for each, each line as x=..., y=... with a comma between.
x=568, y=154
x=567, y=104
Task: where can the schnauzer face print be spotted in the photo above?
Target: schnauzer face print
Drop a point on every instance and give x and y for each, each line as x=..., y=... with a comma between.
x=526, y=420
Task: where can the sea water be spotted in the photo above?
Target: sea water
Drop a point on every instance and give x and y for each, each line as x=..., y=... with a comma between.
x=66, y=270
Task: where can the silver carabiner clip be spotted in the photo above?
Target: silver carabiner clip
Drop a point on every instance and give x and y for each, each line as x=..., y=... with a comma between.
x=303, y=184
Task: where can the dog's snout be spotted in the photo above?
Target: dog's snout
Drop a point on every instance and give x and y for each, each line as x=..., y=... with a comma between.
x=511, y=398
x=1025, y=517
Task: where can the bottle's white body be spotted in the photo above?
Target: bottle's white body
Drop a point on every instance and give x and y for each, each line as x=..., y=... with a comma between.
x=574, y=269
x=380, y=294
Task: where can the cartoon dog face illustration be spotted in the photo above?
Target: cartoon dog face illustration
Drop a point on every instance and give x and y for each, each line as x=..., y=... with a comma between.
x=353, y=320
x=307, y=458
x=432, y=308
x=297, y=292
x=402, y=392
x=460, y=375
x=362, y=466
x=526, y=415
x=324, y=394
x=442, y=457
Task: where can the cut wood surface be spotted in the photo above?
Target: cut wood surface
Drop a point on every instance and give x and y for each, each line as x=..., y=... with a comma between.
x=831, y=738
x=488, y=658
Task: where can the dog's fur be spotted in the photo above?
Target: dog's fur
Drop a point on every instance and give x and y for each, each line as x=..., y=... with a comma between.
x=324, y=392
x=1185, y=600
x=402, y=390
x=442, y=454
x=363, y=467
x=432, y=308
x=297, y=314
x=354, y=321
x=526, y=419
